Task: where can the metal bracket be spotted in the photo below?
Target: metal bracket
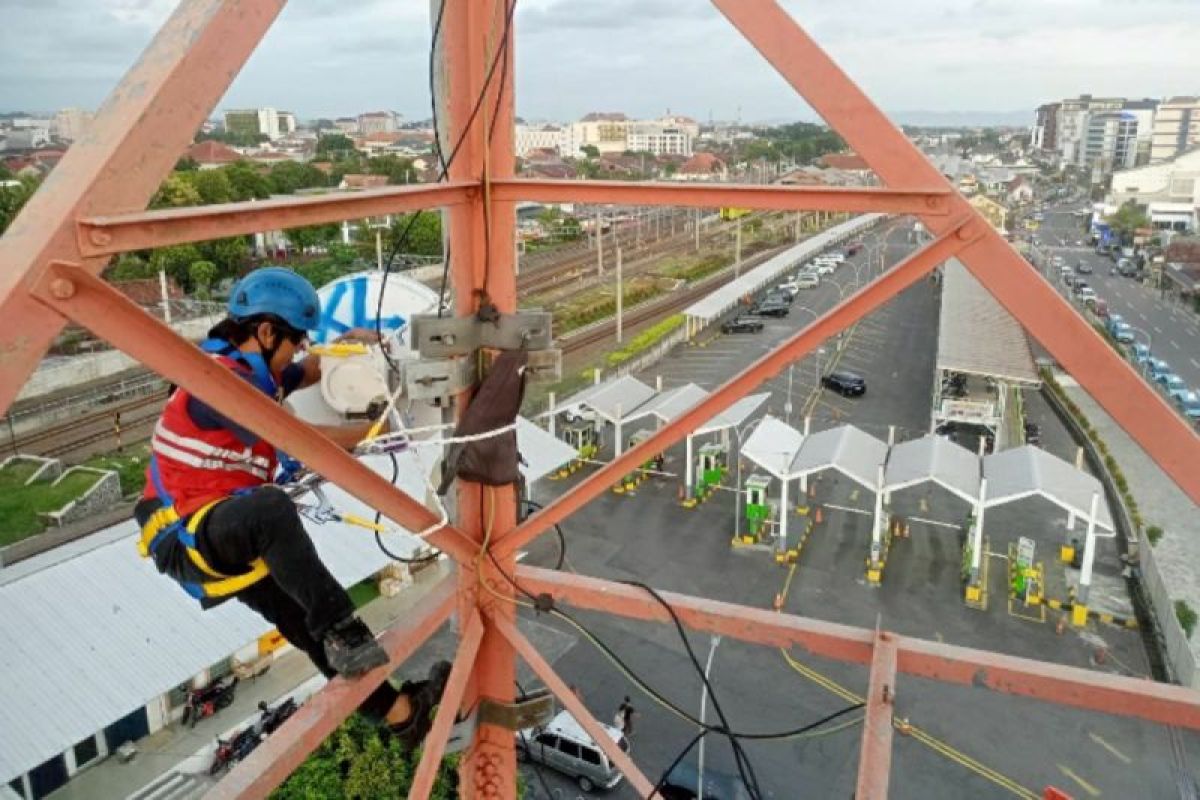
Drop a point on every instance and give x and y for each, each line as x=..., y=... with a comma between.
x=443, y=337
x=531, y=711
x=544, y=365
x=438, y=378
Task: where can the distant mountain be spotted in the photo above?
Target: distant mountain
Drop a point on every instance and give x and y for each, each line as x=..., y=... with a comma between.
x=942, y=119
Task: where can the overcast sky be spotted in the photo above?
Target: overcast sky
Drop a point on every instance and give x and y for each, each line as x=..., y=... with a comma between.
x=340, y=57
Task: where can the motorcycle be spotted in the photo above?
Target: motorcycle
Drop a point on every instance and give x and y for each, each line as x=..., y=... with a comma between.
x=272, y=718
x=235, y=749
x=208, y=700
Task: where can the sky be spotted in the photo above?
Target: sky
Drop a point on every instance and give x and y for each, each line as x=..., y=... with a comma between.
x=922, y=60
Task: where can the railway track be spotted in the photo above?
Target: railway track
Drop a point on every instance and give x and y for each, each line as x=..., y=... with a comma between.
x=130, y=421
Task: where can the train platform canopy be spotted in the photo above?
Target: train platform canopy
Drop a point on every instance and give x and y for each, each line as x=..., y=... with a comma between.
x=1027, y=471
x=94, y=601
x=976, y=335
x=714, y=305
x=933, y=459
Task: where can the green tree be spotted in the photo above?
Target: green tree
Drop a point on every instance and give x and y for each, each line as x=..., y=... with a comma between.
x=422, y=237
x=202, y=274
x=288, y=177
x=176, y=192
x=14, y=198
x=331, y=145
x=399, y=170
x=1127, y=219
x=175, y=260
x=230, y=256
x=128, y=267
x=186, y=164
x=247, y=181
x=213, y=185
x=233, y=139
x=312, y=235
x=590, y=151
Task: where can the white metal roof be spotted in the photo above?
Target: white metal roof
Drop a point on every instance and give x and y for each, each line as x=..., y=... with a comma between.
x=976, y=334
x=736, y=414
x=90, y=632
x=625, y=392
x=773, y=445
x=937, y=459
x=851, y=451
x=1027, y=471
x=669, y=404
x=718, y=302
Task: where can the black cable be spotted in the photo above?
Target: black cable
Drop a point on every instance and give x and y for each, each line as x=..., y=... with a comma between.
x=537, y=768
x=682, y=755
x=379, y=539
x=562, y=540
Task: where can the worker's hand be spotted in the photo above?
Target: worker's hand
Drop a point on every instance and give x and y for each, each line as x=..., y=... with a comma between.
x=363, y=335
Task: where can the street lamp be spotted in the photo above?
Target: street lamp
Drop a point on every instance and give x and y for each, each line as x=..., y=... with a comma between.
x=712, y=651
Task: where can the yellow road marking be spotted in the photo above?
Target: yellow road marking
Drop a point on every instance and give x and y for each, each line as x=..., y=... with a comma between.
x=1087, y=787
x=1095, y=737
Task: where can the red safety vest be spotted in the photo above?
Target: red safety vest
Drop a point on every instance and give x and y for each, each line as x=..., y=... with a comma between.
x=196, y=465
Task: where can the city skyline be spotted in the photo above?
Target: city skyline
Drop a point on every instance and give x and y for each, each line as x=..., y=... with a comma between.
x=925, y=65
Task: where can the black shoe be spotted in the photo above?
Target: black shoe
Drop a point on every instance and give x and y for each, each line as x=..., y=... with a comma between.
x=423, y=697
x=352, y=649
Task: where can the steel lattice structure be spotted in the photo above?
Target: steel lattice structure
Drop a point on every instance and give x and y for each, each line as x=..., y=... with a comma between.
x=92, y=205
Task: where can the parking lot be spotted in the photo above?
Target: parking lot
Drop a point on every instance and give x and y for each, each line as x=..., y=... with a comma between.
x=968, y=743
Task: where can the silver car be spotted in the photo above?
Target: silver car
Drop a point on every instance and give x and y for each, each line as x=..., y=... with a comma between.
x=564, y=745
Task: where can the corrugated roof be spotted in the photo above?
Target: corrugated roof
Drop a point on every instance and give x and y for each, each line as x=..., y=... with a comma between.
x=736, y=414
x=853, y=452
x=1025, y=471
x=669, y=404
x=937, y=459
x=976, y=334
x=90, y=632
x=626, y=392
x=718, y=302
x=773, y=445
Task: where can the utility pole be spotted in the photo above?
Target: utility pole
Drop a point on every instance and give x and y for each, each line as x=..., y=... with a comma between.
x=620, y=298
x=796, y=225
x=737, y=248
x=599, y=244
x=696, y=227
x=166, y=298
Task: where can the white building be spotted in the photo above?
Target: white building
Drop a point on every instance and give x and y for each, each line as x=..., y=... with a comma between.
x=1110, y=142
x=537, y=137
x=606, y=131
x=378, y=122
x=1072, y=123
x=1170, y=190
x=69, y=123
x=260, y=122
x=1176, y=128
x=659, y=138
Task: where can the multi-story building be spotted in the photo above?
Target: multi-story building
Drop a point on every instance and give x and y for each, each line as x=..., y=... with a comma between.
x=1144, y=112
x=537, y=137
x=615, y=133
x=1170, y=190
x=347, y=125
x=260, y=122
x=1072, y=123
x=1176, y=128
x=659, y=139
x=606, y=131
x=378, y=122
x=1045, y=128
x=69, y=124
x=1110, y=142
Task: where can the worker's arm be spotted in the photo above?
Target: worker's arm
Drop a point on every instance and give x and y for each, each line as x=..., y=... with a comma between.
x=310, y=366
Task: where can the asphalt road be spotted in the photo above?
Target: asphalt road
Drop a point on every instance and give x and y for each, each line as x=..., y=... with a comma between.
x=984, y=744
x=1172, y=330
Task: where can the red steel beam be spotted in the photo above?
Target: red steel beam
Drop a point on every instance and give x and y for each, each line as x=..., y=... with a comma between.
x=1107, y=377
x=875, y=756
x=78, y=295
x=274, y=760
x=434, y=746
x=846, y=313
x=1056, y=683
x=573, y=704
x=789, y=198
x=120, y=233
x=137, y=136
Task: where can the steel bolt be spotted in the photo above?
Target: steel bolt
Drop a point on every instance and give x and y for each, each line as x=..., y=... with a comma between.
x=62, y=288
x=100, y=237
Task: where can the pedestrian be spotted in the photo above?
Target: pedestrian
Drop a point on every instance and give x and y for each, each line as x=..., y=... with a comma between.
x=213, y=521
x=624, y=716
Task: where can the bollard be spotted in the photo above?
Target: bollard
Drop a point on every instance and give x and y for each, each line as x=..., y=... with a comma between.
x=817, y=516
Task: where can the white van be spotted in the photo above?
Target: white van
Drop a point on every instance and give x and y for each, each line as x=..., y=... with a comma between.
x=566, y=746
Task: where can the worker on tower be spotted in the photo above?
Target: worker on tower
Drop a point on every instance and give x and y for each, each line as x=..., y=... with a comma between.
x=211, y=518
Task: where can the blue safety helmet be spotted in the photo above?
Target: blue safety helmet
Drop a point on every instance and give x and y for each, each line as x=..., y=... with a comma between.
x=278, y=291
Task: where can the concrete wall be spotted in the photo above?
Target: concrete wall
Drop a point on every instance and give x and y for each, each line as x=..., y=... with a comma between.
x=50, y=468
x=104, y=494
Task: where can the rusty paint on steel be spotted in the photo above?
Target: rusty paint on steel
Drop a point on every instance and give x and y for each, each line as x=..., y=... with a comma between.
x=850, y=310
x=138, y=134
x=788, y=198
x=111, y=315
x=448, y=707
x=119, y=233
x=1106, y=376
x=1055, y=683
x=875, y=755
x=273, y=760
x=641, y=784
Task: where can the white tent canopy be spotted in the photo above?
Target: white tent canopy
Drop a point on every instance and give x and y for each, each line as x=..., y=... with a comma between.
x=937, y=459
x=735, y=415
x=615, y=399
x=1029, y=471
x=847, y=449
x=718, y=302
x=773, y=446
x=669, y=404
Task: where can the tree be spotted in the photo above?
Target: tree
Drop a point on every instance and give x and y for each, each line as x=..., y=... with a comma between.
x=229, y=255
x=399, y=170
x=1127, y=219
x=422, y=236
x=187, y=164
x=213, y=185
x=175, y=260
x=590, y=151
x=13, y=199
x=247, y=181
x=128, y=267
x=288, y=177
x=332, y=144
x=176, y=192
x=312, y=236
x=202, y=274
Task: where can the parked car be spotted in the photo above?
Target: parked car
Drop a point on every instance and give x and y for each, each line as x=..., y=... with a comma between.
x=807, y=280
x=1156, y=367
x=1141, y=354
x=1126, y=269
x=742, y=324
x=564, y=745
x=1087, y=294
x=790, y=288
x=1123, y=333
x=844, y=383
x=1189, y=403
x=1083, y=268
x=1113, y=321
x=682, y=783
x=1172, y=383
x=769, y=307
x=1079, y=284
x=825, y=268
x=1100, y=307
